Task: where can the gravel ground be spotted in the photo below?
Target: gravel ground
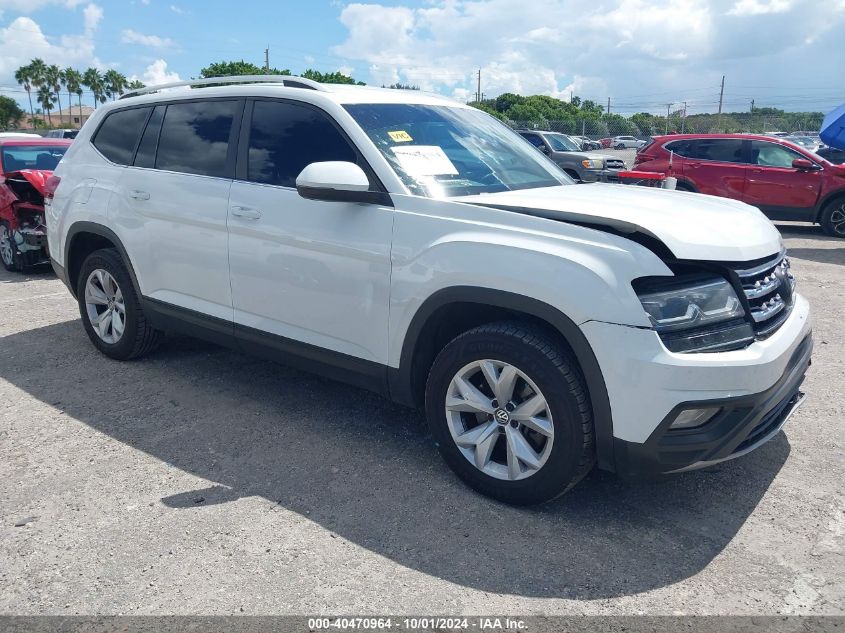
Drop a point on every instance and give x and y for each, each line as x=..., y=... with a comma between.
x=202, y=481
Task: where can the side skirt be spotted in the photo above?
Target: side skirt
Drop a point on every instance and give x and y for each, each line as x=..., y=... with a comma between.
x=317, y=360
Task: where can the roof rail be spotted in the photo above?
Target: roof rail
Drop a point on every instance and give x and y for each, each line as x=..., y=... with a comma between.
x=287, y=80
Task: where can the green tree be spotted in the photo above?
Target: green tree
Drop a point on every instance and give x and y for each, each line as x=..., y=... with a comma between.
x=38, y=72
x=10, y=112
x=136, y=85
x=401, y=86
x=73, y=84
x=23, y=76
x=47, y=98
x=507, y=100
x=491, y=110
x=94, y=81
x=330, y=78
x=53, y=79
x=114, y=83
x=233, y=68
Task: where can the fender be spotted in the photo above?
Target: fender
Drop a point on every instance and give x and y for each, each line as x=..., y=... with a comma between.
x=96, y=229
x=401, y=379
x=833, y=195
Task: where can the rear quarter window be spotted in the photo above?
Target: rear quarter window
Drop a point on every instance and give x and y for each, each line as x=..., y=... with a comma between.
x=119, y=133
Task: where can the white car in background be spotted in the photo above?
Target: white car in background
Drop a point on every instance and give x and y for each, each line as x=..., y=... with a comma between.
x=626, y=142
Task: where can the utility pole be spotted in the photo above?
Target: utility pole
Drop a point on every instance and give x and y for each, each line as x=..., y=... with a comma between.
x=608, y=105
x=721, y=96
x=478, y=93
x=571, y=94
x=267, y=58
x=684, y=119
x=668, y=106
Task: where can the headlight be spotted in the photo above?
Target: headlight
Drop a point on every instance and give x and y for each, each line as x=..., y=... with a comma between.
x=695, y=314
x=593, y=163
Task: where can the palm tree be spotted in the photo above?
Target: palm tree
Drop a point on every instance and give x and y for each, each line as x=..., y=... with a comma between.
x=136, y=85
x=53, y=79
x=115, y=82
x=73, y=83
x=23, y=76
x=94, y=80
x=37, y=71
x=47, y=98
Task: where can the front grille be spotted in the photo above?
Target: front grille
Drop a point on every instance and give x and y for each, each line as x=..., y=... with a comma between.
x=614, y=163
x=769, y=288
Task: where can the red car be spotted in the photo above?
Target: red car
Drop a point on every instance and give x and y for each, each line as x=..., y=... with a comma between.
x=26, y=163
x=605, y=142
x=785, y=181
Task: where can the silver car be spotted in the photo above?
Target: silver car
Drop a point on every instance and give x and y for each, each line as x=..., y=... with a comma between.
x=626, y=142
x=580, y=165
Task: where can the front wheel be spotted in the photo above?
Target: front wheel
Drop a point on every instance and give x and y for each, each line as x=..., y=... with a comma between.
x=833, y=218
x=620, y=146
x=509, y=412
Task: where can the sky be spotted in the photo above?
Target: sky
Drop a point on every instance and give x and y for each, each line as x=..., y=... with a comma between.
x=642, y=54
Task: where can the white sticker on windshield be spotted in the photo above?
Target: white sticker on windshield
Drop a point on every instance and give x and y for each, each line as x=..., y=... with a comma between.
x=424, y=160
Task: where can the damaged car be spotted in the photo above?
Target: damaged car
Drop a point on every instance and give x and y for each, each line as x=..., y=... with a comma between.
x=26, y=165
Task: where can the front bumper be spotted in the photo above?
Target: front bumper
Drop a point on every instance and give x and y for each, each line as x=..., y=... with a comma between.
x=647, y=386
x=600, y=175
x=742, y=424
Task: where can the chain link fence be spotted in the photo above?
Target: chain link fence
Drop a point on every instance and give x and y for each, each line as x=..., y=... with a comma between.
x=645, y=126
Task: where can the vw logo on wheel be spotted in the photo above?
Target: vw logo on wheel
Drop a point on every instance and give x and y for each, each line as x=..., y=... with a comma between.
x=502, y=416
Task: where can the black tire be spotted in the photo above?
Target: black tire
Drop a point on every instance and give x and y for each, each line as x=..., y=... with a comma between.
x=544, y=360
x=620, y=146
x=573, y=174
x=139, y=337
x=11, y=258
x=833, y=218
x=683, y=186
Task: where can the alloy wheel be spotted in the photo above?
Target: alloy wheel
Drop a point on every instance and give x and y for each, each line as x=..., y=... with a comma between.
x=499, y=419
x=837, y=219
x=6, y=251
x=105, y=306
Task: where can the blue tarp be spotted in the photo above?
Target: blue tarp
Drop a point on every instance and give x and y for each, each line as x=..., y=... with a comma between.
x=833, y=128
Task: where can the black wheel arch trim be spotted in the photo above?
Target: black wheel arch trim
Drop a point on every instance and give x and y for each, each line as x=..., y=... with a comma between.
x=833, y=195
x=401, y=380
x=102, y=231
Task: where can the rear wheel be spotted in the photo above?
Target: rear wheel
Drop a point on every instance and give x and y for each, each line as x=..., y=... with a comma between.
x=509, y=412
x=620, y=146
x=110, y=309
x=8, y=250
x=833, y=218
x=683, y=186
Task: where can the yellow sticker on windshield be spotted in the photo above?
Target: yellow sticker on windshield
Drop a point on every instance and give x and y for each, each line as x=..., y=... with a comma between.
x=400, y=136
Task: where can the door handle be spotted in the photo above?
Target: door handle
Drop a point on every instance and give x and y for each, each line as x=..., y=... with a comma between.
x=247, y=213
x=137, y=194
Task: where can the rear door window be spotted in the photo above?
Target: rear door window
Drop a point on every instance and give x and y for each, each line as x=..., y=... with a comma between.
x=119, y=133
x=147, y=149
x=722, y=150
x=195, y=137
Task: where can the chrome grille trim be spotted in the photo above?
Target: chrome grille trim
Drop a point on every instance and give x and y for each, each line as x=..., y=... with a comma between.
x=769, y=289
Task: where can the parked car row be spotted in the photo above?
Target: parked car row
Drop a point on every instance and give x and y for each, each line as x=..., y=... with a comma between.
x=581, y=166
x=784, y=180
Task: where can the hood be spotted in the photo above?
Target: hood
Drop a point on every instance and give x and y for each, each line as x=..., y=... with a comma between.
x=691, y=225
x=35, y=177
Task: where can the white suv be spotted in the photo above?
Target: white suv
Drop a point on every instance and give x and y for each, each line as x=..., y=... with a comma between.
x=626, y=142
x=418, y=247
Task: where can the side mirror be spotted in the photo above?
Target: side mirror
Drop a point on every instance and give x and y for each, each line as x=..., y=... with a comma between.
x=804, y=165
x=336, y=181
x=545, y=150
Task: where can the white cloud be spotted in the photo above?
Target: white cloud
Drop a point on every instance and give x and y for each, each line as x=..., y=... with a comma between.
x=643, y=51
x=93, y=14
x=129, y=36
x=759, y=7
x=177, y=9
x=156, y=73
x=22, y=40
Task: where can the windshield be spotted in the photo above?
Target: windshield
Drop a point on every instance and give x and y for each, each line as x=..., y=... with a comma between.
x=561, y=143
x=17, y=157
x=442, y=151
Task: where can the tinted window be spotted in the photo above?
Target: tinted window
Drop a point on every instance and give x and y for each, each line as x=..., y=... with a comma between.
x=147, y=149
x=724, y=150
x=534, y=140
x=15, y=158
x=284, y=138
x=772, y=155
x=118, y=135
x=681, y=148
x=195, y=137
